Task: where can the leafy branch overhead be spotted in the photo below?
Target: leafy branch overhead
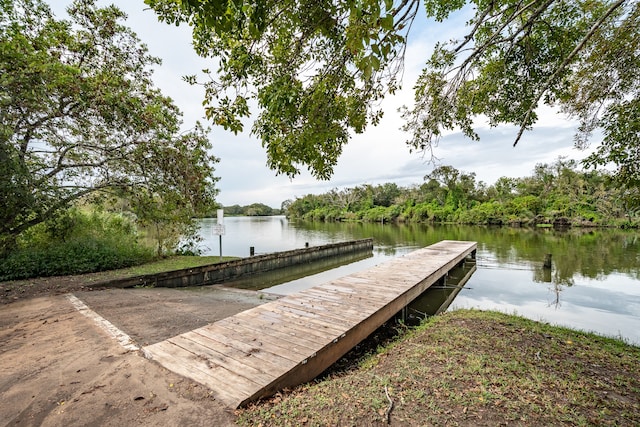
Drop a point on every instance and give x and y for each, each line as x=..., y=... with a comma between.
x=582, y=56
x=80, y=116
x=315, y=68
x=318, y=69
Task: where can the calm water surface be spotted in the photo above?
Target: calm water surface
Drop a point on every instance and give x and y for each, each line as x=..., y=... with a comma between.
x=594, y=284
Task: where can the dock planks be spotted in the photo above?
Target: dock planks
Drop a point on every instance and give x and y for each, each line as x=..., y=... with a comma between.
x=291, y=340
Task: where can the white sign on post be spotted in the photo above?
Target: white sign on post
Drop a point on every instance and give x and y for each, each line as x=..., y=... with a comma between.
x=218, y=229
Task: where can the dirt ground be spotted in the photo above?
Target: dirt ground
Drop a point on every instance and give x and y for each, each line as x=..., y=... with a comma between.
x=17, y=290
x=59, y=368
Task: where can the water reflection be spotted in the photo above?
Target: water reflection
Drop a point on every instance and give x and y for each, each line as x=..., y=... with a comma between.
x=441, y=295
x=594, y=282
x=296, y=273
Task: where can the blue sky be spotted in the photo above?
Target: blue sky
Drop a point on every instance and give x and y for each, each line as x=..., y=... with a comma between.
x=377, y=156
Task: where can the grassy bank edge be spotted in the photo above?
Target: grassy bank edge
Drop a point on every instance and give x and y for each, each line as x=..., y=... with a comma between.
x=15, y=290
x=177, y=262
x=470, y=367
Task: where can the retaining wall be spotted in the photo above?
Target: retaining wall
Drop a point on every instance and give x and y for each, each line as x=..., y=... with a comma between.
x=218, y=273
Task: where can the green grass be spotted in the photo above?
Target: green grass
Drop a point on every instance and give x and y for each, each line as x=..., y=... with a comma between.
x=473, y=368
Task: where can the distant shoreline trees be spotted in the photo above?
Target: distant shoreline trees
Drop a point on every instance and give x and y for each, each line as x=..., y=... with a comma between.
x=254, y=209
x=555, y=193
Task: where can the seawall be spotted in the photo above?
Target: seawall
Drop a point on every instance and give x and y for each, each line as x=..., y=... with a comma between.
x=220, y=272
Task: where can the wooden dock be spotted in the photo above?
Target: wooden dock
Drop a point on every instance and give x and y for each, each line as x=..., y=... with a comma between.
x=292, y=340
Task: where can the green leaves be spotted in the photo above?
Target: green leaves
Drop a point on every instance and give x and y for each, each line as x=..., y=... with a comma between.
x=314, y=68
x=517, y=56
x=228, y=113
x=79, y=115
x=441, y=9
x=341, y=57
x=621, y=143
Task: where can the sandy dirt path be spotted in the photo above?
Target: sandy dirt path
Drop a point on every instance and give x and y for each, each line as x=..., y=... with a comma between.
x=59, y=368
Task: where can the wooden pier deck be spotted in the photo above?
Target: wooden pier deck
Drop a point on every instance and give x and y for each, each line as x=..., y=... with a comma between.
x=291, y=340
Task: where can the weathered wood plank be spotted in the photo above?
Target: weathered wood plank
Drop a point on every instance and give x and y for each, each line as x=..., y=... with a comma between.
x=278, y=330
x=184, y=363
x=351, y=308
x=293, y=351
x=309, y=319
x=352, y=301
x=238, y=363
x=373, y=291
x=346, y=310
x=258, y=349
x=273, y=319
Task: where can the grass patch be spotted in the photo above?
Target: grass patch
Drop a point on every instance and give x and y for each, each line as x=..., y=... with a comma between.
x=473, y=368
x=177, y=262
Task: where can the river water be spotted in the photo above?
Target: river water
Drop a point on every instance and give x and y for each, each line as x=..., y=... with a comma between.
x=593, y=285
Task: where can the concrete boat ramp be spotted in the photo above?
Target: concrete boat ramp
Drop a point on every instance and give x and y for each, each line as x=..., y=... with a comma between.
x=291, y=340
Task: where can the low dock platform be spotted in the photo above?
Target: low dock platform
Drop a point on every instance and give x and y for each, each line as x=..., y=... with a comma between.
x=292, y=340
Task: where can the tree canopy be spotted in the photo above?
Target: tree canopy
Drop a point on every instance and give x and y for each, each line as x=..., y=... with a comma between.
x=79, y=116
x=317, y=70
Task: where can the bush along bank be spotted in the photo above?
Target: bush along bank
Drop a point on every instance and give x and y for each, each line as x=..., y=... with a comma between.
x=555, y=195
x=75, y=243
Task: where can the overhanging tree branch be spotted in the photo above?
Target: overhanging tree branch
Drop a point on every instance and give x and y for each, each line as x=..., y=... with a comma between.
x=567, y=60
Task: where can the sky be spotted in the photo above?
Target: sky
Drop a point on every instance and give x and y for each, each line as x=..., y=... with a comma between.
x=377, y=156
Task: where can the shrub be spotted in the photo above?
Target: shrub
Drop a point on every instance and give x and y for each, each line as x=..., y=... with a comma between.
x=376, y=214
x=421, y=212
x=483, y=213
x=75, y=243
x=393, y=212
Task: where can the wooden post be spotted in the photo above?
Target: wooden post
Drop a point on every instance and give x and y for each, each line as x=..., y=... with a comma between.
x=547, y=261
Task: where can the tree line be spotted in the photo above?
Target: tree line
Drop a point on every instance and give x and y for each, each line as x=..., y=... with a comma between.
x=254, y=209
x=556, y=193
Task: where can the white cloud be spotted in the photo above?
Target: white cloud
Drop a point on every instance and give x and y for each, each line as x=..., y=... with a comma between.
x=377, y=156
